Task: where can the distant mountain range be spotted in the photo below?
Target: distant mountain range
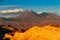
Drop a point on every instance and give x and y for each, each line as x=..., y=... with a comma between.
x=29, y=19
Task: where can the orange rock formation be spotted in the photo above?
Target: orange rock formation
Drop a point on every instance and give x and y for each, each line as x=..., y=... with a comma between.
x=38, y=33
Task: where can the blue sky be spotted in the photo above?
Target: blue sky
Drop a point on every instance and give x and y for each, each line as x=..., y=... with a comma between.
x=31, y=2
x=36, y=5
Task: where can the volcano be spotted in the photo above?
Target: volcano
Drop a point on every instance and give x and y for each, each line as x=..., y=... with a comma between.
x=29, y=19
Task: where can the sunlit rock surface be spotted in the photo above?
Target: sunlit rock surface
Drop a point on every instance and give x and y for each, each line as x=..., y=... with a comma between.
x=38, y=33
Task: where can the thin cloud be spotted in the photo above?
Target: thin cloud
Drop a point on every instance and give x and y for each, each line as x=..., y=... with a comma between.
x=8, y=6
x=9, y=11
